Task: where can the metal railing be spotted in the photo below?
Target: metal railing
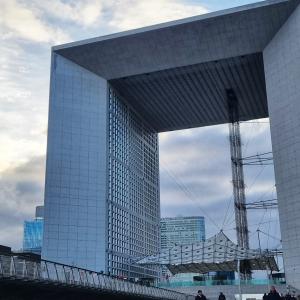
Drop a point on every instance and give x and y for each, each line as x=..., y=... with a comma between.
x=209, y=282
x=15, y=267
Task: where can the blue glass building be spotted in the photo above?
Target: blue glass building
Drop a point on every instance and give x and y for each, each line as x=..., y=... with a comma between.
x=33, y=233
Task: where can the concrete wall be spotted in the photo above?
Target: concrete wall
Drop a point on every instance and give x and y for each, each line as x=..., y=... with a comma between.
x=75, y=191
x=282, y=69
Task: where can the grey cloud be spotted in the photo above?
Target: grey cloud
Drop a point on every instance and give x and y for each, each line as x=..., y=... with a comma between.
x=200, y=162
x=28, y=187
x=21, y=189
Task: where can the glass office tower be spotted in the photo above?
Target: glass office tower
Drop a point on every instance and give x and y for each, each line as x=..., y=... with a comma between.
x=102, y=209
x=133, y=193
x=33, y=232
x=185, y=231
x=181, y=231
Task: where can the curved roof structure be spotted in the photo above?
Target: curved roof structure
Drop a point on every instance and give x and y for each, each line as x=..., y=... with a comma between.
x=217, y=253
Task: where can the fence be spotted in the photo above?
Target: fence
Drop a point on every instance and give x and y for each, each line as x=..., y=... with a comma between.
x=46, y=271
x=208, y=282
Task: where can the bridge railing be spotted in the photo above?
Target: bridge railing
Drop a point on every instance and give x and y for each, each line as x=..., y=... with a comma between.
x=47, y=271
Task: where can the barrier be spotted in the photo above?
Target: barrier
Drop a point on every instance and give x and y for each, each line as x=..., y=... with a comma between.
x=12, y=266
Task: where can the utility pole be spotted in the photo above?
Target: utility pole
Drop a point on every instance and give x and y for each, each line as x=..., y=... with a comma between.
x=238, y=176
x=258, y=236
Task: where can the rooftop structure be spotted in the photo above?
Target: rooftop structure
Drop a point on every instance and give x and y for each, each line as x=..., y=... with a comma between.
x=217, y=253
x=33, y=232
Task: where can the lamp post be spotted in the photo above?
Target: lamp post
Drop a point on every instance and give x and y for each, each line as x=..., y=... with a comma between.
x=239, y=274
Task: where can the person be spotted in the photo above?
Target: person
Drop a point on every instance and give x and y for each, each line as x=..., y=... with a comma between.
x=167, y=278
x=200, y=296
x=273, y=295
x=265, y=296
x=222, y=296
x=288, y=296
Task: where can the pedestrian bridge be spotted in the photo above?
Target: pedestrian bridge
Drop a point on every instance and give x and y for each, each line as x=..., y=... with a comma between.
x=43, y=279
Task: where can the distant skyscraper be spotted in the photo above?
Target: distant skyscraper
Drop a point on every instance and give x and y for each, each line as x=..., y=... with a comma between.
x=181, y=231
x=184, y=231
x=33, y=232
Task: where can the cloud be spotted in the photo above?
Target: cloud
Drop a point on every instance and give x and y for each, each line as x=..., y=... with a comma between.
x=198, y=158
x=20, y=21
x=196, y=178
x=86, y=13
x=21, y=189
x=42, y=22
x=195, y=165
x=129, y=14
x=23, y=103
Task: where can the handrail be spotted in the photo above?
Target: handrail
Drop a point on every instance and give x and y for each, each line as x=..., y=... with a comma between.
x=210, y=282
x=44, y=270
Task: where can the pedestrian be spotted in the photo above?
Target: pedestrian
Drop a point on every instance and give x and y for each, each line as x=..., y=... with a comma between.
x=222, y=296
x=265, y=296
x=273, y=295
x=200, y=296
x=168, y=279
x=288, y=296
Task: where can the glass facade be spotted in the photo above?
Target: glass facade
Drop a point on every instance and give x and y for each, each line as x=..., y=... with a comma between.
x=76, y=169
x=102, y=207
x=33, y=236
x=181, y=231
x=133, y=190
x=184, y=231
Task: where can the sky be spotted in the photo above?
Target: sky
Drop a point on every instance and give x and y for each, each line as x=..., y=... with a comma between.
x=194, y=164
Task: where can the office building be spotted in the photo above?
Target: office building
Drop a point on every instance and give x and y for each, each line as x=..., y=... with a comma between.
x=33, y=232
x=181, y=231
x=109, y=98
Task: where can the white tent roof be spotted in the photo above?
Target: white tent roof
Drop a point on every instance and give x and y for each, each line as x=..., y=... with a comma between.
x=217, y=253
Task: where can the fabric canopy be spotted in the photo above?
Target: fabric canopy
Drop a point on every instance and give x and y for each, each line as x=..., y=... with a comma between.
x=217, y=253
